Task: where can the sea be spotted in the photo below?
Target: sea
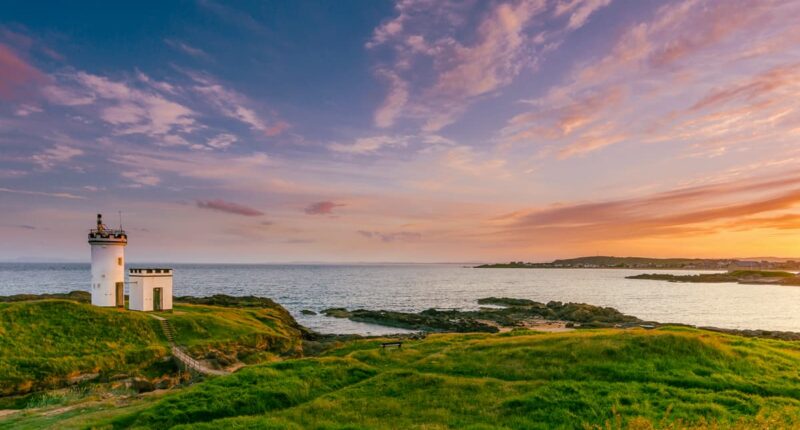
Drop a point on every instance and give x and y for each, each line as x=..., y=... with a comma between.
x=415, y=287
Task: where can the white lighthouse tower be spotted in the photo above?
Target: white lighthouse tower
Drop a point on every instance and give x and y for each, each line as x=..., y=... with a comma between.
x=108, y=264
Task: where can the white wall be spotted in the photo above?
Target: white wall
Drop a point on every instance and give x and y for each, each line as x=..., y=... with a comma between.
x=108, y=268
x=141, y=295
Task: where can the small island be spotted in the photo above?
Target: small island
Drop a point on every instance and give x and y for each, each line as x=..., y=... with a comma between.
x=606, y=262
x=737, y=276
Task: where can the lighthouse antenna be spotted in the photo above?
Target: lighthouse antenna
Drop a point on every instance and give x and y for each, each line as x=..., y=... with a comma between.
x=120, y=220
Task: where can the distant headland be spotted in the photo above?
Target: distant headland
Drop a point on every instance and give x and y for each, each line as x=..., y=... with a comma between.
x=606, y=262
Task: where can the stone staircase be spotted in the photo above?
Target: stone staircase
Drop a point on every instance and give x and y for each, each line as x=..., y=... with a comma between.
x=169, y=332
x=182, y=356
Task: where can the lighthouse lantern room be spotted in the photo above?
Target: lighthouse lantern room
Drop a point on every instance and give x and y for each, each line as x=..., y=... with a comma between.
x=108, y=264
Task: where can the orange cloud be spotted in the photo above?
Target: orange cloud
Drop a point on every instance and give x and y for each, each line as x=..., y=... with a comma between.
x=688, y=211
x=758, y=85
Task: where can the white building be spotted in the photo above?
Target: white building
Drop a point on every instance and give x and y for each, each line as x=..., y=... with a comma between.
x=108, y=264
x=151, y=289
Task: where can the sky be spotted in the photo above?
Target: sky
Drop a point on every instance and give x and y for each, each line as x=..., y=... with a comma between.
x=406, y=131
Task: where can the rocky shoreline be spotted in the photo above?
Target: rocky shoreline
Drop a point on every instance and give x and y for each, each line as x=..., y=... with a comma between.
x=507, y=313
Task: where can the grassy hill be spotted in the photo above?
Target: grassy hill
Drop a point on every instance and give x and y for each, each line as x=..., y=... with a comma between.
x=50, y=343
x=667, y=378
x=226, y=334
x=45, y=342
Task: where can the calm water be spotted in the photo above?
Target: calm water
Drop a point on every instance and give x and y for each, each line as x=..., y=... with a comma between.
x=418, y=287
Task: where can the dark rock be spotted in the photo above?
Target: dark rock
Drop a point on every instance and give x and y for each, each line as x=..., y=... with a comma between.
x=505, y=301
x=336, y=313
x=142, y=385
x=515, y=313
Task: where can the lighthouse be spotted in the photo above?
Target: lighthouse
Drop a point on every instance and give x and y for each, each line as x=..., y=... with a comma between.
x=108, y=264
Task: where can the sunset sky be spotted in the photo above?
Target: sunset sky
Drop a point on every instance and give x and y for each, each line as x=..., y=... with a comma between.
x=419, y=130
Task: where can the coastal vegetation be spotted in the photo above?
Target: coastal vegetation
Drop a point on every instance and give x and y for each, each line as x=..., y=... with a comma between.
x=52, y=343
x=225, y=335
x=47, y=343
x=737, y=276
x=667, y=378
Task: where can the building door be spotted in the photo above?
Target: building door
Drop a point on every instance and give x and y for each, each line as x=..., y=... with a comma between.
x=157, y=305
x=120, y=294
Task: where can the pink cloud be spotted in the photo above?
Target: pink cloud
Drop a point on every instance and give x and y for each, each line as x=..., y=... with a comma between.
x=556, y=118
x=665, y=62
x=753, y=87
x=17, y=77
x=141, y=178
x=459, y=71
x=395, y=101
x=590, y=142
x=321, y=208
x=366, y=145
x=579, y=10
x=55, y=155
x=228, y=207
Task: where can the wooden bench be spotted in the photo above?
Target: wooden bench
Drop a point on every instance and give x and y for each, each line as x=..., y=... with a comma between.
x=397, y=344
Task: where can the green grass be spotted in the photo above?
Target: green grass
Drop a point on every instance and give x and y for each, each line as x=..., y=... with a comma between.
x=667, y=378
x=235, y=331
x=44, y=342
x=762, y=274
x=740, y=276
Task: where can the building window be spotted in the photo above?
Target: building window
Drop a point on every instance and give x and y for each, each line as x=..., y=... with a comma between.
x=119, y=261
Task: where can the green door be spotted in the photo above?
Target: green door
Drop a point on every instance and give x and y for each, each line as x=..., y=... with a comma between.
x=120, y=294
x=157, y=305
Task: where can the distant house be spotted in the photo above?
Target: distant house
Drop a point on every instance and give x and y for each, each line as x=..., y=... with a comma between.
x=748, y=264
x=150, y=289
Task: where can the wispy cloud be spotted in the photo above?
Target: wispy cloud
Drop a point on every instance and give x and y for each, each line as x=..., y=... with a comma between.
x=666, y=61
x=464, y=159
x=371, y=144
x=235, y=105
x=579, y=11
x=129, y=110
x=702, y=209
x=25, y=110
x=400, y=236
x=42, y=193
x=395, y=100
x=55, y=155
x=422, y=34
x=141, y=178
x=228, y=207
x=221, y=141
x=187, y=49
